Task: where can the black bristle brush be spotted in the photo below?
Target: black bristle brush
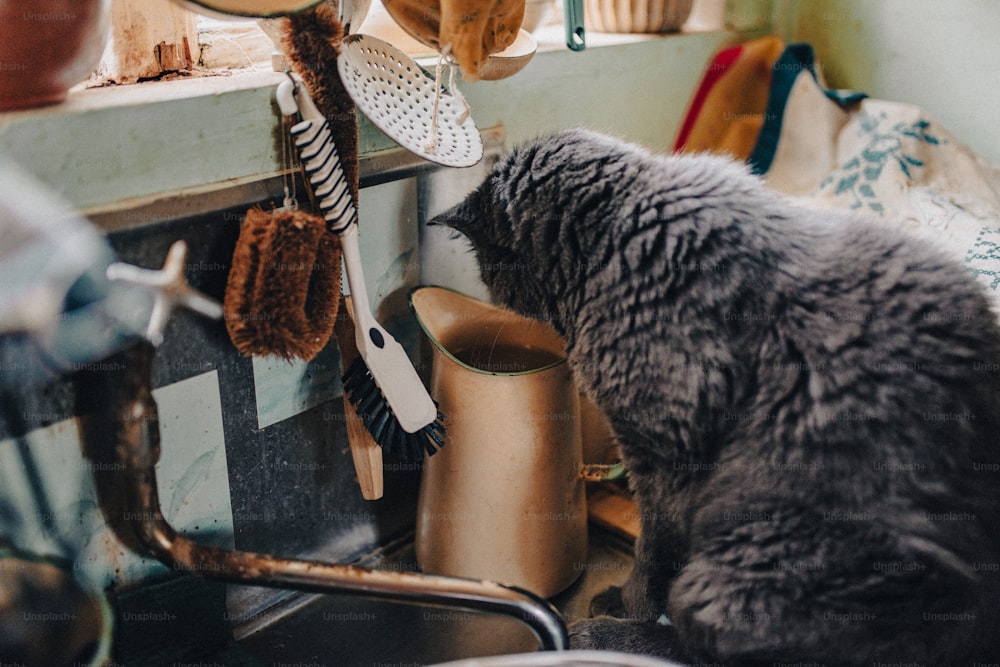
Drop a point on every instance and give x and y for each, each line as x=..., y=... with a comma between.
x=381, y=383
x=312, y=44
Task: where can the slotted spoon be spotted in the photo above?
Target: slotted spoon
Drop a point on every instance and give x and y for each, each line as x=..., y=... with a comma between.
x=398, y=97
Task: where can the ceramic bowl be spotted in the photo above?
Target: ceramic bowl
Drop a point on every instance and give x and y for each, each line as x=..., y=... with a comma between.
x=511, y=60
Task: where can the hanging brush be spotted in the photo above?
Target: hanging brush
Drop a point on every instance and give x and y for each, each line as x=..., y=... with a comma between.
x=381, y=383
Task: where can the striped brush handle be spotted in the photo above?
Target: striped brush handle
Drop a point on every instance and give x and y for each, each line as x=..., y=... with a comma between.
x=387, y=361
x=326, y=174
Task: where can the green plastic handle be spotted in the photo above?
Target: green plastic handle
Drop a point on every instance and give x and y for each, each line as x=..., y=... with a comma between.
x=576, y=36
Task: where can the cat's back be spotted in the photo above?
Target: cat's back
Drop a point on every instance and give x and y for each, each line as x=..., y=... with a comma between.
x=847, y=285
x=880, y=369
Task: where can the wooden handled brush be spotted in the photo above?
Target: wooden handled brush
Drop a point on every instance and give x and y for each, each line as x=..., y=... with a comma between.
x=382, y=383
x=366, y=453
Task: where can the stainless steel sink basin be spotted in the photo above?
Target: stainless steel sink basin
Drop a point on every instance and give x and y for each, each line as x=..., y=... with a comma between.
x=346, y=631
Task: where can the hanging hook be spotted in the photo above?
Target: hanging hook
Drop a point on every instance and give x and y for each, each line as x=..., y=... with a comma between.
x=576, y=36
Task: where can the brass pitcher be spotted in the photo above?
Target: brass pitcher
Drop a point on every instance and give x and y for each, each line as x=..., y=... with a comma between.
x=504, y=498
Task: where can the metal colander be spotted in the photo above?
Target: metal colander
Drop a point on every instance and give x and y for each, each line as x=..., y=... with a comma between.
x=401, y=99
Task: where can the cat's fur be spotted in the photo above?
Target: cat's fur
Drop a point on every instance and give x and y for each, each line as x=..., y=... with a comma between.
x=807, y=404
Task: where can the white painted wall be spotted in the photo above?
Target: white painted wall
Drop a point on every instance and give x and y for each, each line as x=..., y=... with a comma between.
x=942, y=56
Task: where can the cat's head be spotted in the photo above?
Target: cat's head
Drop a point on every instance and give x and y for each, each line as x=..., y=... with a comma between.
x=524, y=221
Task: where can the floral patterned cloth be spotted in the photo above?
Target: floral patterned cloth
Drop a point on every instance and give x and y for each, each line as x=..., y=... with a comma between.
x=886, y=159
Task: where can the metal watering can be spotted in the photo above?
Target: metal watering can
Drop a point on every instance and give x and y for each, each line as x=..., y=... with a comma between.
x=504, y=499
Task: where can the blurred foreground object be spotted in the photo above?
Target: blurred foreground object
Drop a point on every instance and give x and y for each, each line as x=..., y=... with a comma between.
x=58, y=310
x=47, y=46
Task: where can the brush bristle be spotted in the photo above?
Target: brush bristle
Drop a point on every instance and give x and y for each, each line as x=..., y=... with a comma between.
x=312, y=43
x=374, y=410
x=283, y=288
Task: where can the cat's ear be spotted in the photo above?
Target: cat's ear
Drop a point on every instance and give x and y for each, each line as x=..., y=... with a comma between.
x=463, y=217
x=454, y=217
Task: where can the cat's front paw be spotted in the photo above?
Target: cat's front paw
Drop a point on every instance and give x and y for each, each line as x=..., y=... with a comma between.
x=604, y=633
x=601, y=633
x=608, y=603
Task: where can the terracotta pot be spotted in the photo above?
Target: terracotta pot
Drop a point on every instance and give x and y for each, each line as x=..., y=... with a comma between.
x=639, y=16
x=47, y=46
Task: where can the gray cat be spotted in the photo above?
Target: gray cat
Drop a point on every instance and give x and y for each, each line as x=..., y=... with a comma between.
x=808, y=406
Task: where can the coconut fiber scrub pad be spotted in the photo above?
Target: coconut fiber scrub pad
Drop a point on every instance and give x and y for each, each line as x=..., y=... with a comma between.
x=283, y=290
x=272, y=309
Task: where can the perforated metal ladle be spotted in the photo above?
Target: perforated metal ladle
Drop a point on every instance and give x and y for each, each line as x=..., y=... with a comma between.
x=402, y=100
x=398, y=97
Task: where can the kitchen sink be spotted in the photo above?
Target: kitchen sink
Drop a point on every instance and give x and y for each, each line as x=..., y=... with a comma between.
x=336, y=630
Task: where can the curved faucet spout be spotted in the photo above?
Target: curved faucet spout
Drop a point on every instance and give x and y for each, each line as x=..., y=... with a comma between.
x=120, y=428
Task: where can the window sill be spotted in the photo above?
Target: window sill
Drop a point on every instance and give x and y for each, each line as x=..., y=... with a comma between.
x=125, y=146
